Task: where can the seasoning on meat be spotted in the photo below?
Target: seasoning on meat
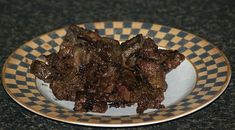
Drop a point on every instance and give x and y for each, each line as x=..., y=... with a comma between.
x=98, y=72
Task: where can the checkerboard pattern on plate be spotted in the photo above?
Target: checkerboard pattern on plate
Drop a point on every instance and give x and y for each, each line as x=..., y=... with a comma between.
x=210, y=64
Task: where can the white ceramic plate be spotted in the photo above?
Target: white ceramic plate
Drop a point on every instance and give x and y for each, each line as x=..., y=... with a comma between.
x=198, y=81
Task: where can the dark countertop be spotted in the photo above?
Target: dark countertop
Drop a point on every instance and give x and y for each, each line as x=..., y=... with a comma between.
x=211, y=19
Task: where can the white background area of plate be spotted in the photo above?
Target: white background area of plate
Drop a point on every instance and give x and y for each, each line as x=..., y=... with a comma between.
x=181, y=82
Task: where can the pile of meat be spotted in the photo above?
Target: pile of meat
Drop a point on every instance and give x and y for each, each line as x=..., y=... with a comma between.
x=98, y=72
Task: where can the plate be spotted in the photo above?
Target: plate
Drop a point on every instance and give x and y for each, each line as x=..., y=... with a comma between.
x=198, y=81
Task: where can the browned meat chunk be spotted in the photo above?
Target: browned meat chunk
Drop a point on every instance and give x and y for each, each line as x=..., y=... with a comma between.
x=96, y=72
x=130, y=48
x=41, y=70
x=153, y=72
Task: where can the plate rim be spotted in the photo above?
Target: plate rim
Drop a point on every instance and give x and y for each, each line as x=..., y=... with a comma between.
x=225, y=86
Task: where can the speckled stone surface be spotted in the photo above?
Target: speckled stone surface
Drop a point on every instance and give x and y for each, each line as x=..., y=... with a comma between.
x=213, y=20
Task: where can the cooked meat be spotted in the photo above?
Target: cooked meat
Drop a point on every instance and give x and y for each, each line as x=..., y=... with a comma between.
x=172, y=59
x=41, y=70
x=153, y=72
x=96, y=72
x=130, y=48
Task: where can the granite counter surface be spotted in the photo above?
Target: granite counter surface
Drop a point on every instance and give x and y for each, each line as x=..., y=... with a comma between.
x=213, y=20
